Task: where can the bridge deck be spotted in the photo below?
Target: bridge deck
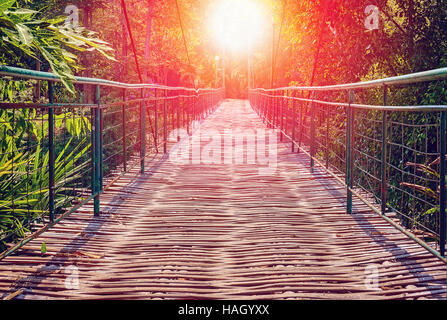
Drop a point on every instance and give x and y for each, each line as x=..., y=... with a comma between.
x=225, y=231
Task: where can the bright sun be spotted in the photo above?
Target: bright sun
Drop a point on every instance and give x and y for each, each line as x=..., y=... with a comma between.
x=237, y=24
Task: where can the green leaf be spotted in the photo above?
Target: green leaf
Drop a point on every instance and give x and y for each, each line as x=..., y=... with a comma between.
x=43, y=248
x=6, y=4
x=24, y=34
x=23, y=11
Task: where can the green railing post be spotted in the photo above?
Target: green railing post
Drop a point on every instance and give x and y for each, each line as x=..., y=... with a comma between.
x=442, y=197
x=178, y=114
x=97, y=154
x=156, y=119
x=281, y=107
x=51, y=151
x=300, y=123
x=142, y=133
x=293, y=118
x=124, y=130
x=187, y=111
x=275, y=110
x=383, y=182
x=267, y=105
x=312, y=133
x=349, y=152
x=101, y=138
x=165, y=130
x=93, y=147
x=270, y=109
x=266, y=109
x=194, y=105
x=328, y=125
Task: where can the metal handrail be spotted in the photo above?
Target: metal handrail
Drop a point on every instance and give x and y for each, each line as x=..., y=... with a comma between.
x=289, y=108
x=168, y=109
x=431, y=75
x=40, y=75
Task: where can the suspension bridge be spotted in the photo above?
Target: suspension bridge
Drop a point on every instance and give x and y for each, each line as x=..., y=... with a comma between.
x=166, y=197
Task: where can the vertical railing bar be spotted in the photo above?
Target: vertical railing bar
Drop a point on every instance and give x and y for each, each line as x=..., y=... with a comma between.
x=97, y=151
x=93, y=147
x=101, y=138
x=383, y=187
x=293, y=119
x=124, y=131
x=267, y=109
x=165, y=133
x=442, y=197
x=267, y=105
x=178, y=114
x=327, y=135
x=155, y=119
x=349, y=153
x=187, y=111
x=300, y=126
x=142, y=132
x=281, y=111
x=312, y=132
x=275, y=110
x=182, y=111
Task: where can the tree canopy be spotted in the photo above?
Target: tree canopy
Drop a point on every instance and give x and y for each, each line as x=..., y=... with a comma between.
x=313, y=41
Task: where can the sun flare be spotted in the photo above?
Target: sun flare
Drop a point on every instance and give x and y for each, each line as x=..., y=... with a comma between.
x=237, y=24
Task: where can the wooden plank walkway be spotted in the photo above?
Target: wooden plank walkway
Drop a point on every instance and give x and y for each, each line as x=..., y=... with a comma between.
x=224, y=231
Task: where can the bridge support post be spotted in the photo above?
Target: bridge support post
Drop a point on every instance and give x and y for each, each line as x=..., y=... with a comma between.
x=124, y=131
x=97, y=151
x=156, y=119
x=276, y=111
x=349, y=153
x=281, y=111
x=142, y=133
x=264, y=108
x=383, y=155
x=178, y=114
x=312, y=133
x=300, y=124
x=165, y=130
x=51, y=152
x=442, y=197
x=101, y=145
x=187, y=112
x=328, y=126
x=293, y=119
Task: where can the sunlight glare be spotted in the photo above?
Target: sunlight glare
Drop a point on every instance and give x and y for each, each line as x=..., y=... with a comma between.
x=237, y=24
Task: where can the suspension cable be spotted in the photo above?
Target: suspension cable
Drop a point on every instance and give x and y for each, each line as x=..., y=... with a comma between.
x=132, y=42
x=183, y=32
x=123, y=6
x=279, y=39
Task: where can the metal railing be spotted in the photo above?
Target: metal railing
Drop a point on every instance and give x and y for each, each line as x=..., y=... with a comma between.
x=386, y=154
x=60, y=150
